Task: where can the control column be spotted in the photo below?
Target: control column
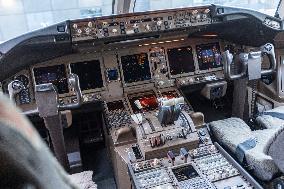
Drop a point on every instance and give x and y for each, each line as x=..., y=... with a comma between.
x=48, y=107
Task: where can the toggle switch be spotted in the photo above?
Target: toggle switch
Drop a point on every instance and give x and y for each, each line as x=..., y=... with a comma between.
x=171, y=157
x=184, y=154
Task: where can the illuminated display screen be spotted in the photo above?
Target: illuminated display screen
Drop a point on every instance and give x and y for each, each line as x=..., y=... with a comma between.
x=170, y=95
x=148, y=102
x=52, y=74
x=135, y=68
x=185, y=173
x=112, y=74
x=116, y=105
x=89, y=73
x=209, y=56
x=181, y=60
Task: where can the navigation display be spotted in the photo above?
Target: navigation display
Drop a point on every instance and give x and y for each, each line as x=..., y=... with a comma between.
x=52, y=74
x=135, y=68
x=89, y=73
x=209, y=56
x=181, y=60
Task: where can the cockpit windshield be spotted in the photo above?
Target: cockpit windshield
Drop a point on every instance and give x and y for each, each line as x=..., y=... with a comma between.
x=265, y=6
x=21, y=16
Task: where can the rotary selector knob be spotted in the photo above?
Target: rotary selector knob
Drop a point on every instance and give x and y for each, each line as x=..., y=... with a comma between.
x=159, y=23
x=148, y=28
x=90, y=24
x=75, y=26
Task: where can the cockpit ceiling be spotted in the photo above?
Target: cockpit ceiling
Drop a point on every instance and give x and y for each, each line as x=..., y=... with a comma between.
x=244, y=27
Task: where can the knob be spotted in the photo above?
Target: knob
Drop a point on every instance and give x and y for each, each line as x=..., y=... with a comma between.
x=148, y=28
x=171, y=157
x=90, y=24
x=75, y=26
x=135, y=25
x=114, y=30
x=159, y=23
x=161, y=83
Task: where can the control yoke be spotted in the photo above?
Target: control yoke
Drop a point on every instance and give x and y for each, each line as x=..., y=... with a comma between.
x=74, y=84
x=14, y=87
x=246, y=58
x=49, y=109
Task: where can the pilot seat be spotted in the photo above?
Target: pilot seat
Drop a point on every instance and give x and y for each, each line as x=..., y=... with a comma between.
x=261, y=150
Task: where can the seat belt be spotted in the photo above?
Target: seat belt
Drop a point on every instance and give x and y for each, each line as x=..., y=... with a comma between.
x=243, y=147
x=275, y=114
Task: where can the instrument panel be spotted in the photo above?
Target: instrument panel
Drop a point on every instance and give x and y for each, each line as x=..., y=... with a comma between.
x=159, y=63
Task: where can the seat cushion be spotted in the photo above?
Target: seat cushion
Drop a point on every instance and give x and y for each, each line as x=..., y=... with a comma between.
x=263, y=165
x=233, y=131
x=230, y=132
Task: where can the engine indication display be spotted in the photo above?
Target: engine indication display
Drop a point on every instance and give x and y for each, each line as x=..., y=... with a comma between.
x=135, y=68
x=52, y=74
x=209, y=56
x=148, y=102
x=89, y=73
x=181, y=60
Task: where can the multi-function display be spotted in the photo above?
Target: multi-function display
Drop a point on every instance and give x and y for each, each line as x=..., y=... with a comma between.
x=89, y=73
x=135, y=68
x=181, y=60
x=208, y=56
x=52, y=74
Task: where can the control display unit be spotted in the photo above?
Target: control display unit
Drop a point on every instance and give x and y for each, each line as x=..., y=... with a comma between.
x=209, y=56
x=185, y=172
x=89, y=73
x=181, y=60
x=135, y=67
x=52, y=74
x=148, y=102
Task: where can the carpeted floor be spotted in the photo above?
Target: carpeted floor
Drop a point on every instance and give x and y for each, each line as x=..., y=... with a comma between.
x=95, y=158
x=201, y=104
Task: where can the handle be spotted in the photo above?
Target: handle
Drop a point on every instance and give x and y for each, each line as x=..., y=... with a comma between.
x=74, y=83
x=14, y=87
x=227, y=59
x=268, y=50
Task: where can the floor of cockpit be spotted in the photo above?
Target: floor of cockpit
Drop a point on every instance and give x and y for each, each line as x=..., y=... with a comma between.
x=213, y=110
x=95, y=158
